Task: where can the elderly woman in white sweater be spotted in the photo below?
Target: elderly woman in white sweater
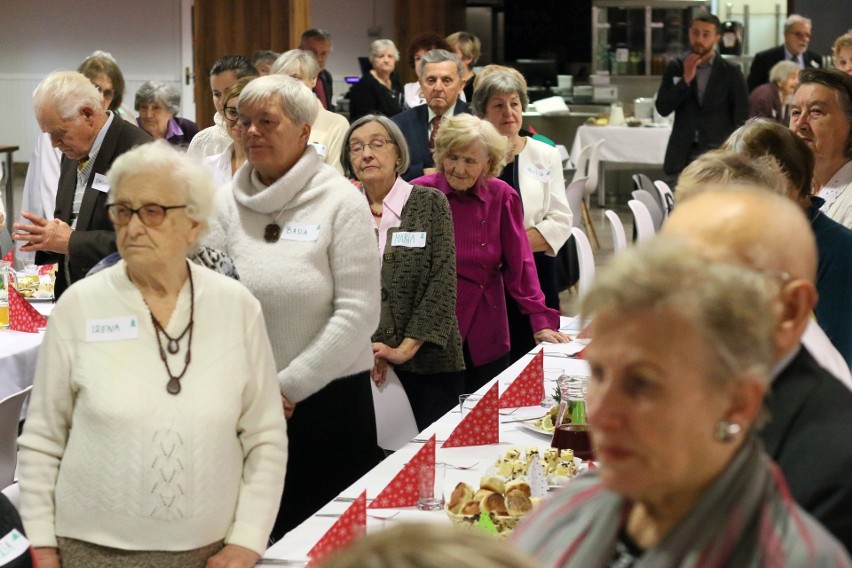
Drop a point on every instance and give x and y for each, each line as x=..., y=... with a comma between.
x=154, y=435
x=300, y=236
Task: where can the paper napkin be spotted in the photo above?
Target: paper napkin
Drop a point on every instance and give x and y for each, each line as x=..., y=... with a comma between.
x=351, y=524
x=403, y=490
x=9, y=256
x=45, y=269
x=22, y=316
x=528, y=388
x=481, y=426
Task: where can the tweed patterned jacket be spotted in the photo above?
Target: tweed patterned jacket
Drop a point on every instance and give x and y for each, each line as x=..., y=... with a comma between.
x=419, y=287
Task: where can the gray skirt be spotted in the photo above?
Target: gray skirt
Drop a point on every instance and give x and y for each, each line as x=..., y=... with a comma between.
x=81, y=554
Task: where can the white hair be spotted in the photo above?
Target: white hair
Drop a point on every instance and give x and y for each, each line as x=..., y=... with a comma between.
x=795, y=19
x=184, y=174
x=297, y=62
x=66, y=92
x=380, y=46
x=297, y=102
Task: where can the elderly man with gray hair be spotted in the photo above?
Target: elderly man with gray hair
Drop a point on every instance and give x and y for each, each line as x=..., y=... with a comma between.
x=797, y=36
x=440, y=76
x=158, y=105
x=69, y=108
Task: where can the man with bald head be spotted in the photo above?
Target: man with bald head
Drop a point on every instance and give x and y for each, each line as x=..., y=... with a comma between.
x=810, y=411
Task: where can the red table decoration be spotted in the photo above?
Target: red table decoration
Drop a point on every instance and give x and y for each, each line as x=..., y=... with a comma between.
x=528, y=388
x=351, y=524
x=403, y=491
x=481, y=426
x=22, y=316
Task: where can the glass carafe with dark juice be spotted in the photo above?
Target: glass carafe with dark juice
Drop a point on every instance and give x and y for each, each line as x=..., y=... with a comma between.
x=574, y=435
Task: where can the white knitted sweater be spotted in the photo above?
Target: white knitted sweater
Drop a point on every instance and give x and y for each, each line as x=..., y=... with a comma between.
x=320, y=296
x=109, y=457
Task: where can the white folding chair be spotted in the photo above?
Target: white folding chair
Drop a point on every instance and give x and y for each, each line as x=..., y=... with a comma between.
x=574, y=194
x=585, y=258
x=653, y=208
x=10, y=417
x=642, y=181
x=641, y=220
x=619, y=237
x=666, y=196
x=582, y=163
x=592, y=179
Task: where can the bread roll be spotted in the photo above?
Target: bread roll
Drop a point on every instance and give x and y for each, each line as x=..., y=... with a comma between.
x=492, y=483
x=494, y=503
x=461, y=494
x=470, y=508
x=518, y=485
x=518, y=503
x=481, y=494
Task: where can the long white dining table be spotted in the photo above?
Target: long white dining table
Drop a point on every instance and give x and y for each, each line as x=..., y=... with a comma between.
x=18, y=355
x=296, y=544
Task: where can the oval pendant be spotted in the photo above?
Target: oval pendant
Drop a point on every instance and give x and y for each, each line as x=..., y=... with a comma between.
x=173, y=346
x=174, y=386
x=272, y=233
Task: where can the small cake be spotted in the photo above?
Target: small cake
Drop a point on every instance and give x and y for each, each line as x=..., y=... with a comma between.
x=532, y=451
x=567, y=455
x=519, y=469
x=513, y=454
x=551, y=456
x=504, y=468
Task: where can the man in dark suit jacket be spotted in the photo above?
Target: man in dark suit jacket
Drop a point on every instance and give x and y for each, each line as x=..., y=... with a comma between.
x=706, y=93
x=67, y=107
x=441, y=83
x=809, y=410
x=797, y=36
x=318, y=41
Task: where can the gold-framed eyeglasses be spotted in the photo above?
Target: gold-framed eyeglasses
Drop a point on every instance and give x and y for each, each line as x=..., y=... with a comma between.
x=375, y=145
x=151, y=214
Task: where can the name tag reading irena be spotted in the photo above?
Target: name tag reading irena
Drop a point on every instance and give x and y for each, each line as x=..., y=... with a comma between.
x=112, y=329
x=540, y=174
x=411, y=240
x=300, y=232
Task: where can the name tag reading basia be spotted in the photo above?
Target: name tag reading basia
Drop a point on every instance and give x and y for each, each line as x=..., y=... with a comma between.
x=540, y=174
x=409, y=239
x=300, y=232
x=112, y=329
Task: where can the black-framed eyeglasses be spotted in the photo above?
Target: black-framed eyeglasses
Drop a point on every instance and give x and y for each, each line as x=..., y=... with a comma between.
x=151, y=214
x=375, y=145
x=230, y=113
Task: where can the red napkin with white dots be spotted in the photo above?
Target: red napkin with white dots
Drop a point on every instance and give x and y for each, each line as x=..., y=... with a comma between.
x=44, y=269
x=403, y=490
x=528, y=388
x=481, y=426
x=9, y=256
x=351, y=524
x=22, y=316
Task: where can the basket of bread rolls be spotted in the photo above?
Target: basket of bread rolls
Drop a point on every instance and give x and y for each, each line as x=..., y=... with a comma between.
x=505, y=502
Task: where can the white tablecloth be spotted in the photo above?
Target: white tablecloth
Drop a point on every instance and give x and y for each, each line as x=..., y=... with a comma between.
x=298, y=542
x=623, y=144
x=18, y=353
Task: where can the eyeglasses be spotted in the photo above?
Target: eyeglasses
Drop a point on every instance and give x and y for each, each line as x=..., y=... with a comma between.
x=375, y=145
x=231, y=114
x=107, y=93
x=151, y=214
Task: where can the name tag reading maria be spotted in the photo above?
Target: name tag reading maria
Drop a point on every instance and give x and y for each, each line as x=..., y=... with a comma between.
x=538, y=173
x=100, y=183
x=411, y=240
x=300, y=232
x=112, y=329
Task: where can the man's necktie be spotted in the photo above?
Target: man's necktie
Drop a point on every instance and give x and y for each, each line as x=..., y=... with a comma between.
x=436, y=122
x=81, y=165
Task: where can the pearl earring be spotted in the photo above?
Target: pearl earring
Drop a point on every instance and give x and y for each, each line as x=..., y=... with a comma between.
x=726, y=431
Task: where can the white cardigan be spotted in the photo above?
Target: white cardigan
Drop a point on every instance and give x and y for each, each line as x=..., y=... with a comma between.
x=109, y=457
x=319, y=294
x=327, y=133
x=542, y=186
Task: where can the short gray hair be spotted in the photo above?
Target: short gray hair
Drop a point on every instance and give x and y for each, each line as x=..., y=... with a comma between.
x=465, y=129
x=724, y=167
x=67, y=92
x=153, y=91
x=297, y=62
x=296, y=101
x=714, y=297
x=439, y=56
x=394, y=133
x=498, y=82
x=184, y=173
x=782, y=70
x=794, y=19
x=380, y=46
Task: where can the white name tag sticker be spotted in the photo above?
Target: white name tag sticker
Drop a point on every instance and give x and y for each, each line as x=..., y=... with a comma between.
x=112, y=329
x=411, y=240
x=675, y=80
x=13, y=545
x=300, y=232
x=320, y=149
x=541, y=175
x=100, y=183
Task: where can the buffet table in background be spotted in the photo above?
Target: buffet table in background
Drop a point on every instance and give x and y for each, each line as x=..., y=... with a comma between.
x=294, y=547
x=622, y=145
x=18, y=355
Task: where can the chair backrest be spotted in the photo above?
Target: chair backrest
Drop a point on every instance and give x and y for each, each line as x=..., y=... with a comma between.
x=594, y=167
x=586, y=259
x=6, y=243
x=563, y=154
x=574, y=194
x=619, y=237
x=645, y=183
x=653, y=207
x=666, y=196
x=10, y=417
x=582, y=163
x=641, y=220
